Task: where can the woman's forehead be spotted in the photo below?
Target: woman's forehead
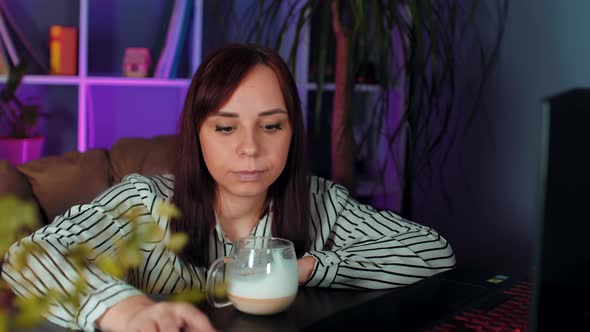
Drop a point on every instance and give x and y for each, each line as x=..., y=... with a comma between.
x=259, y=92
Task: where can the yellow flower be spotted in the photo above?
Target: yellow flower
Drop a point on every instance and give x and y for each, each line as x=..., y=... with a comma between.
x=4, y=320
x=79, y=255
x=168, y=210
x=31, y=310
x=18, y=212
x=20, y=259
x=129, y=256
x=109, y=265
x=150, y=232
x=177, y=241
x=16, y=215
x=73, y=298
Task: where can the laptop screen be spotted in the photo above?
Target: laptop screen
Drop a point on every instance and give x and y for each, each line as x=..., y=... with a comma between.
x=562, y=262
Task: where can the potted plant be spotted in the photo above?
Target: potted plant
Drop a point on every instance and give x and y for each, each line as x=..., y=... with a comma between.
x=20, y=218
x=414, y=48
x=20, y=140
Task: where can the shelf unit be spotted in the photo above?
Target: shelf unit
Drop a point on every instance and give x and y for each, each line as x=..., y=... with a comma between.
x=92, y=83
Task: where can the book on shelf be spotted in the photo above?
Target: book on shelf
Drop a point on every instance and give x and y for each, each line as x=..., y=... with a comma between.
x=186, y=15
x=170, y=56
x=8, y=44
x=63, y=50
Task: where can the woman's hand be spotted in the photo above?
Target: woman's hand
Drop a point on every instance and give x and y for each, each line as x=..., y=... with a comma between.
x=305, y=266
x=140, y=313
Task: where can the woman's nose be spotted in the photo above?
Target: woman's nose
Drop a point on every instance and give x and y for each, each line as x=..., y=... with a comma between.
x=248, y=145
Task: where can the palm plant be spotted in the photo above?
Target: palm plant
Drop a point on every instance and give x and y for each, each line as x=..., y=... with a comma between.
x=415, y=48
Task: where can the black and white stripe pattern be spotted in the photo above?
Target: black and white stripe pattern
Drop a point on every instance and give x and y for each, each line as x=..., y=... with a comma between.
x=356, y=247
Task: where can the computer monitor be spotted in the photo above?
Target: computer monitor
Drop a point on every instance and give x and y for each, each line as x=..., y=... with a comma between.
x=561, y=295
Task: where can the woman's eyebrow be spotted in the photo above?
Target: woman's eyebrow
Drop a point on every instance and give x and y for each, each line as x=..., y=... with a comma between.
x=272, y=111
x=227, y=114
x=265, y=113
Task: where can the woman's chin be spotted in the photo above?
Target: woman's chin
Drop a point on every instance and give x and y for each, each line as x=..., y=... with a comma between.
x=249, y=189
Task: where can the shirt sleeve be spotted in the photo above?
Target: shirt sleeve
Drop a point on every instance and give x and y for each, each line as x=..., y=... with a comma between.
x=359, y=247
x=99, y=225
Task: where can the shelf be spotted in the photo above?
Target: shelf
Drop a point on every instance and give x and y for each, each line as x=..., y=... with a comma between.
x=128, y=81
x=47, y=80
x=112, y=81
x=357, y=87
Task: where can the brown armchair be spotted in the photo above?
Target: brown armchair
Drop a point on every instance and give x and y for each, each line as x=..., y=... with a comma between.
x=58, y=182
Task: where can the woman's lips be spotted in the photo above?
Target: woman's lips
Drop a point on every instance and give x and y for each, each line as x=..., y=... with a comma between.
x=249, y=176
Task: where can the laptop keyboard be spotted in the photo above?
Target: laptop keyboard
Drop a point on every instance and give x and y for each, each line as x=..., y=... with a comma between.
x=503, y=310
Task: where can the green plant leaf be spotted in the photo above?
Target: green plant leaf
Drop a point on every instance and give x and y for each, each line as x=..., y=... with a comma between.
x=30, y=311
x=110, y=265
x=17, y=217
x=78, y=255
x=177, y=242
x=4, y=321
x=168, y=210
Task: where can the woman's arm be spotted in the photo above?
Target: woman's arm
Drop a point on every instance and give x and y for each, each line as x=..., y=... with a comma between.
x=358, y=247
x=305, y=266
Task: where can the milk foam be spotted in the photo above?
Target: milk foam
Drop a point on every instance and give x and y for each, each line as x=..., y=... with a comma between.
x=281, y=282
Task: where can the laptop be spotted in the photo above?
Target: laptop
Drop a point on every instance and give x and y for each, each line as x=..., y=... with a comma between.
x=557, y=297
x=562, y=257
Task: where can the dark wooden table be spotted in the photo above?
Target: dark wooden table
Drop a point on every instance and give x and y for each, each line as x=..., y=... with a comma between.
x=403, y=309
x=408, y=308
x=311, y=306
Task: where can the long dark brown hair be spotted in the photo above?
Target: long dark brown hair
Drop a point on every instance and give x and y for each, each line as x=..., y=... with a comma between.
x=194, y=191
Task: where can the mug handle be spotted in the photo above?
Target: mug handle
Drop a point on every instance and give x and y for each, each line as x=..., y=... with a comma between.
x=213, y=270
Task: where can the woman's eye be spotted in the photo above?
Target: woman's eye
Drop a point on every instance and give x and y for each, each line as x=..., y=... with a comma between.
x=272, y=127
x=224, y=129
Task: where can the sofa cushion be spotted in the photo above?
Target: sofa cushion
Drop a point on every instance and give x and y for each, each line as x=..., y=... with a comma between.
x=13, y=182
x=60, y=182
x=146, y=156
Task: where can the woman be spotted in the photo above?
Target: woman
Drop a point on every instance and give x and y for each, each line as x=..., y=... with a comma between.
x=239, y=171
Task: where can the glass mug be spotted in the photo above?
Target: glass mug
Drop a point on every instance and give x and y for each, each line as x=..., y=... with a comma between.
x=260, y=275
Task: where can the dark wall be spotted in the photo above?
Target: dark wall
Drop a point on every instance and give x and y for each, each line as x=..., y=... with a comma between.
x=488, y=212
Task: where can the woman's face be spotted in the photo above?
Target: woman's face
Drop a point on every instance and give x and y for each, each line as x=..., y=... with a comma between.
x=246, y=142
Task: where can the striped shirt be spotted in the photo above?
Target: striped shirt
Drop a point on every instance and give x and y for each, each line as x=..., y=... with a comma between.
x=356, y=247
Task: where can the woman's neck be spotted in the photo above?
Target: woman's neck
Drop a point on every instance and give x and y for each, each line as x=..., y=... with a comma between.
x=238, y=215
